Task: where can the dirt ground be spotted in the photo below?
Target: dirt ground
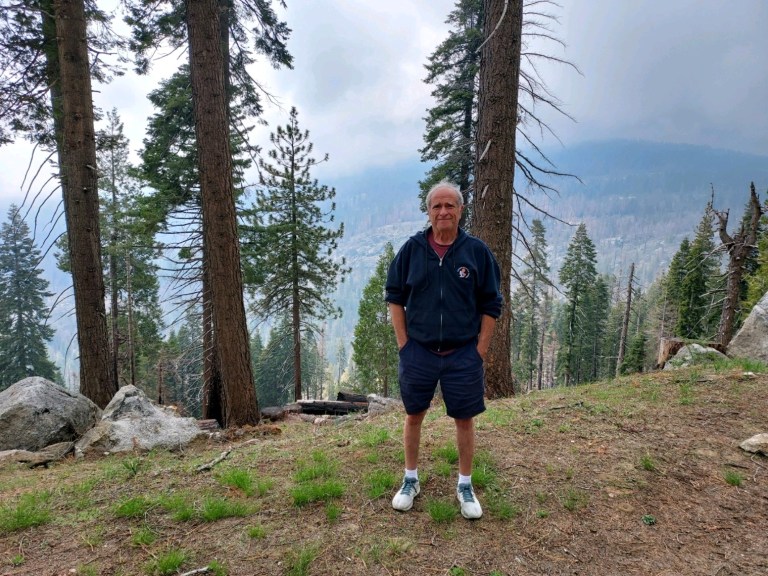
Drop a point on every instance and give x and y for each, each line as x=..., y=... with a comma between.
x=639, y=476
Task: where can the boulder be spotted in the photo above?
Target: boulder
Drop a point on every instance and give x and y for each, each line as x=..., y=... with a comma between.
x=380, y=404
x=692, y=354
x=35, y=413
x=133, y=422
x=751, y=341
x=758, y=444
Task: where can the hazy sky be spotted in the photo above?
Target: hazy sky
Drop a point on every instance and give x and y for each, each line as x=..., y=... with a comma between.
x=688, y=71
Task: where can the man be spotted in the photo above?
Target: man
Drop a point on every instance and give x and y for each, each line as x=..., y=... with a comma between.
x=444, y=298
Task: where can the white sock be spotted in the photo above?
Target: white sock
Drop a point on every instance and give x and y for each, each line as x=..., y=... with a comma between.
x=412, y=473
x=465, y=479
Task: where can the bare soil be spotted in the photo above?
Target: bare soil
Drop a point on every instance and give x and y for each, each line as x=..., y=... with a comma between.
x=642, y=475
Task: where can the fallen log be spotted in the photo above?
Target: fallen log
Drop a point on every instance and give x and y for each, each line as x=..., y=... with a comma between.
x=331, y=407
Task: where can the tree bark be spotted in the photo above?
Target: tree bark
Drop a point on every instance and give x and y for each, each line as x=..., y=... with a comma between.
x=218, y=208
x=738, y=247
x=495, y=165
x=625, y=322
x=81, y=202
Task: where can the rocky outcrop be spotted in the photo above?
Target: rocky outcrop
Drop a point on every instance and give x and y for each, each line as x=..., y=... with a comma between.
x=751, y=341
x=35, y=413
x=132, y=422
x=757, y=444
x=692, y=354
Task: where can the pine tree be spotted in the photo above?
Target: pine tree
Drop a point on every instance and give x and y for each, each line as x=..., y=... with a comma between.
x=374, y=348
x=23, y=313
x=292, y=244
x=578, y=275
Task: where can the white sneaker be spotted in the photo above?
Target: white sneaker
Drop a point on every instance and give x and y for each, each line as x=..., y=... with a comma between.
x=470, y=507
x=403, y=500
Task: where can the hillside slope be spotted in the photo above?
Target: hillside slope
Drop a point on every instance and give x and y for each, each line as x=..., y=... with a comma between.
x=637, y=476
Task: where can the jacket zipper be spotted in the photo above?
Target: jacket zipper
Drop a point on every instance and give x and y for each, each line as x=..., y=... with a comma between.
x=440, y=275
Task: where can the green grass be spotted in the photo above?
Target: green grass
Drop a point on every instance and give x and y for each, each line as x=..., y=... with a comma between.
x=86, y=570
x=135, y=507
x=167, y=563
x=573, y=499
x=256, y=532
x=441, y=511
x=374, y=436
x=501, y=508
x=216, y=508
x=448, y=453
x=144, y=536
x=646, y=461
x=299, y=560
x=332, y=511
x=307, y=493
x=320, y=467
x=380, y=482
x=217, y=568
x=32, y=509
x=733, y=478
x=132, y=466
x=237, y=478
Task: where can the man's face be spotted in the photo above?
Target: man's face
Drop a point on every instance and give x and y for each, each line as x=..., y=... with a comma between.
x=444, y=211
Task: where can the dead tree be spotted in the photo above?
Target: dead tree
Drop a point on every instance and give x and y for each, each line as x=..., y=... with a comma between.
x=738, y=247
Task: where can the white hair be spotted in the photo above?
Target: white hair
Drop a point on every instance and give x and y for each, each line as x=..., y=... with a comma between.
x=444, y=185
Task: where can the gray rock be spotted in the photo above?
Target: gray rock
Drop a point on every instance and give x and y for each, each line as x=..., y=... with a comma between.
x=132, y=422
x=758, y=444
x=380, y=404
x=35, y=412
x=751, y=341
x=691, y=354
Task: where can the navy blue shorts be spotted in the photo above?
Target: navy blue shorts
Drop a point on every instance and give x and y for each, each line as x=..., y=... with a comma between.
x=460, y=374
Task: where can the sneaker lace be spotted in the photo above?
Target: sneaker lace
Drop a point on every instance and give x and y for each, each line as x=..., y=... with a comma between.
x=409, y=485
x=466, y=493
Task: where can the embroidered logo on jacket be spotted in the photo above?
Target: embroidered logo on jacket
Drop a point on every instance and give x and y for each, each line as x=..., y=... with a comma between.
x=463, y=272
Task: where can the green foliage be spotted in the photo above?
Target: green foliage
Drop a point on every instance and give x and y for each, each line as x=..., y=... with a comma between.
x=216, y=508
x=237, y=478
x=332, y=511
x=448, y=452
x=380, y=482
x=144, y=536
x=289, y=242
x=298, y=561
x=167, y=563
x=256, y=532
x=649, y=519
x=733, y=478
x=582, y=321
x=646, y=461
x=135, y=507
x=441, y=511
x=452, y=70
x=31, y=509
x=304, y=494
x=24, y=329
x=374, y=347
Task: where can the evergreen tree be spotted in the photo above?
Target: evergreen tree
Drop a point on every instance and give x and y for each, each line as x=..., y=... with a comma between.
x=530, y=321
x=578, y=275
x=698, y=311
x=292, y=244
x=634, y=360
x=23, y=313
x=374, y=348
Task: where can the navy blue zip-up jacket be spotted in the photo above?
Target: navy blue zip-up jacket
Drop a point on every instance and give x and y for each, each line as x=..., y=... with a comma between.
x=444, y=299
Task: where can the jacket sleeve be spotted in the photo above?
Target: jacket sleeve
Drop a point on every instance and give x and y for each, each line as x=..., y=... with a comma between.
x=395, y=288
x=490, y=299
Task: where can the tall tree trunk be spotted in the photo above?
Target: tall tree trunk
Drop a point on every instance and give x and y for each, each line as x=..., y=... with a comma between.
x=495, y=165
x=81, y=202
x=296, y=328
x=625, y=322
x=218, y=208
x=213, y=396
x=738, y=246
x=113, y=293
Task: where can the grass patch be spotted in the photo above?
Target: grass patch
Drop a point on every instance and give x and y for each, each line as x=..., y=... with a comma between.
x=144, y=536
x=441, y=511
x=374, y=436
x=167, y=563
x=380, y=482
x=32, y=509
x=135, y=507
x=178, y=505
x=307, y=493
x=733, y=478
x=332, y=511
x=299, y=560
x=132, y=466
x=237, y=478
x=256, y=532
x=216, y=508
x=448, y=453
x=647, y=463
x=573, y=500
x=320, y=467
x=686, y=393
